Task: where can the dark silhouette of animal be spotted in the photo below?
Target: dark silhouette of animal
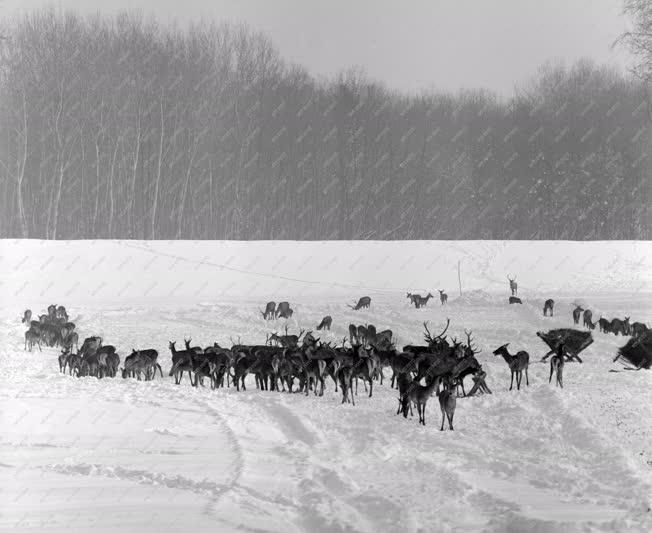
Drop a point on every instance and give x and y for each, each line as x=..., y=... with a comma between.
x=514, y=300
x=447, y=404
x=270, y=311
x=517, y=364
x=196, y=349
x=619, y=326
x=404, y=381
x=557, y=366
x=325, y=323
x=32, y=338
x=90, y=346
x=365, y=301
x=576, y=313
x=443, y=297
x=283, y=310
x=353, y=334
x=181, y=362
x=548, y=306
x=414, y=299
x=419, y=396
x=586, y=319
x=420, y=301
x=513, y=286
x=638, y=329
x=604, y=325
x=61, y=314
x=27, y=316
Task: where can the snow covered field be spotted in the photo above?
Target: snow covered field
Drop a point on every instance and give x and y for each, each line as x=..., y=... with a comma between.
x=88, y=454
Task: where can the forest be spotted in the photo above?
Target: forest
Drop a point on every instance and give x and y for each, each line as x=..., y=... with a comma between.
x=124, y=128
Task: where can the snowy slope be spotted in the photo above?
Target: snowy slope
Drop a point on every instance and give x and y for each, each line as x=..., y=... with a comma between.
x=88, y=454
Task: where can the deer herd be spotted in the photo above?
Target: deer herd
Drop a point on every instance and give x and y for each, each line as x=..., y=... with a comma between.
x=303, y=363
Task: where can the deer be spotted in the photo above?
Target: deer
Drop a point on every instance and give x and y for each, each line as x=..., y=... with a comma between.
x=639, y=329
x=447, y=403
x=548, y=305
x=557, y=366
x=586, y=319
x=353, y=334
x=404, y=382
x=414, y=299
x=419, y=396
x=513, y=286
x=365, y=302
x=325, y=323
x=283, y=310
x=270, y=311
x=517, y=364
x=443, y=297
x=576, y=313
x=32, y=338
x=197, y=349
x=514, y=300
x=619, y=326
x=181, y=362
x=604, y=325
x=287, y=341
x=27, y=316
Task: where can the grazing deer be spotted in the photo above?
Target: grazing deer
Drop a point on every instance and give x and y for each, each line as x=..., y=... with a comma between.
x=513, y=286
x=514, y=300
x=325, y=323
x=419, y=396
x=576, y=313
x=447, y=403
x=557, y=366
x=27, y=316
x=443, y=297
x=270, y=311
x=548, y=305
x=586, y=319
x=517, y=364
x=283, y=310
x=365, y=301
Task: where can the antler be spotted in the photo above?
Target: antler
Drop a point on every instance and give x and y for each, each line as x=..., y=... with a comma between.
x=469, y=343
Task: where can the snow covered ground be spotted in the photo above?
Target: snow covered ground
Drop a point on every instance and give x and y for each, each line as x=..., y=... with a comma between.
x=87, y=454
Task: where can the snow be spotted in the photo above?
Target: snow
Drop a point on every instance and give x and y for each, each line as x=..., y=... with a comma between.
x=94, y=454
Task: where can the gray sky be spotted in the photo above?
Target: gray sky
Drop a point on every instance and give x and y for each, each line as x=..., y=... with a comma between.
x=410, y=44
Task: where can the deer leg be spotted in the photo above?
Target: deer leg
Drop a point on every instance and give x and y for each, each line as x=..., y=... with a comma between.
x=371, y=387
x=450, y=421
x=527, y=379
x=551, y=372
x=443, y=419
x=547, y=355
x=512, y=382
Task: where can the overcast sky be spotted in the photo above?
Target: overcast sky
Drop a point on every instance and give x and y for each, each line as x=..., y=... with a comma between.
x=409, y=44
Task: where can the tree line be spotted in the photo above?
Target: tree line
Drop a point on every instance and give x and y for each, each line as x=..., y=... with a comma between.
x=119, y=127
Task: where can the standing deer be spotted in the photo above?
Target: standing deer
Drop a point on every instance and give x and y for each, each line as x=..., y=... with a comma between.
x=586, y=319
x=27, y=316
x=353, y=334
x=513, y=286
x=548, y=305
x=517, y=364
x=414, y=299
x=443, y=297
x=419, y=396
x=604, y=325
x=325, y=323
x=557, y=366
x=365, y=301
x=576, y=313
x=447, y=403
